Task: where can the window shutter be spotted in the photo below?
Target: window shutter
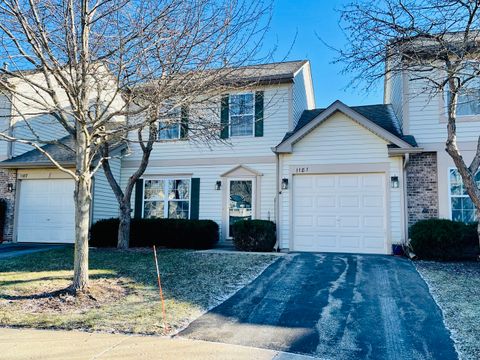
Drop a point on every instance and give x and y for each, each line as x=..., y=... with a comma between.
x=184, y=123
x=195, y=199
x=259, y=113
x=224, y=117
x=138, y=199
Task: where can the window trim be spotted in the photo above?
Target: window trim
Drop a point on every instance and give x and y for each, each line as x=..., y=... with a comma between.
x=165, y=208
x=450, y=195
x=254, y=199
x=230, y=115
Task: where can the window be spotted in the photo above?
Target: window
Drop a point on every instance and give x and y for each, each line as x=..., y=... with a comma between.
x=462, y=208
x=242, y=111
x=240, y=202
x=166, y=198
x=469, y=96
x=169, y=126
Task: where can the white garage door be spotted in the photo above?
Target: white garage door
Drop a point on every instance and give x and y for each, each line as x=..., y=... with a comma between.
x=339, y=213
x=46, y=211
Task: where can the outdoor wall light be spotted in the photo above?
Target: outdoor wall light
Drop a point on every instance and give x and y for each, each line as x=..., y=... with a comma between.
x=218, y=185
x=284, y=184
x=394, y=182
x=10, y=187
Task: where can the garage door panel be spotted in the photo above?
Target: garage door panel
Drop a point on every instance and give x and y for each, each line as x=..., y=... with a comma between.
x=325, y=182
x=46, y=211
x=350, y=242
x=326, y=201
x=326, y=222
x=349, y=210
x=350, y=222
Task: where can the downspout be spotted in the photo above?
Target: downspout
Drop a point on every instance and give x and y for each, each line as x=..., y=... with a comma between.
x=277, y=200
x=405, y=199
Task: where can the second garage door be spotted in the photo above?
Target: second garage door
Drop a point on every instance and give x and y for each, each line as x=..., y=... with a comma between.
x=340, y=213
x=46, y=211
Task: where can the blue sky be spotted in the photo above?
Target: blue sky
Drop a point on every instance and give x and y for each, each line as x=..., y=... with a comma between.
x=304, y=19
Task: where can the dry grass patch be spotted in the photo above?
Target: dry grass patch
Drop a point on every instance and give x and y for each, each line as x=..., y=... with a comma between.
x=123, y=296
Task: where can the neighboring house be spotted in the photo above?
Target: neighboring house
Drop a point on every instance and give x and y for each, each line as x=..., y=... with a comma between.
x=343, y=179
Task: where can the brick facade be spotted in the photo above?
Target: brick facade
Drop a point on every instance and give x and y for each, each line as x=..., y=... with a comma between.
x=8, y=177
x=422, y=187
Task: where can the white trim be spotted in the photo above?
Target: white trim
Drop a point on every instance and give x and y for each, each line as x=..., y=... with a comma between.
x=238, y=167
x=166, y=200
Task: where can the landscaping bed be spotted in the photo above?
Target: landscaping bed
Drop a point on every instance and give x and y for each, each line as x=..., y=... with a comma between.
x=124, y=294
x=456, y=288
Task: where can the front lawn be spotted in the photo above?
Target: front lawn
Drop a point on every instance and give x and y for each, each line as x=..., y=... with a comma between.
x=456, y=288
x=124, y=295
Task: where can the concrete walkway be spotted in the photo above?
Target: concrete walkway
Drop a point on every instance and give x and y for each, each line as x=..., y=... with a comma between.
x=26, y=344
x=334, y=306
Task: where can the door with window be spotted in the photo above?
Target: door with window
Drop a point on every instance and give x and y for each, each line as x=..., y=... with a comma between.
x=240, y=201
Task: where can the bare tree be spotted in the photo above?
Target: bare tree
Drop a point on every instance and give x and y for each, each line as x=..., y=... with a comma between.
x=436, y=42
x=187, y=98
x=81, y=60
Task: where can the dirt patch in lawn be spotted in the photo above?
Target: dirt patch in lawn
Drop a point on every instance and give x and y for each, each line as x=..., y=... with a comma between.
x=53, y=300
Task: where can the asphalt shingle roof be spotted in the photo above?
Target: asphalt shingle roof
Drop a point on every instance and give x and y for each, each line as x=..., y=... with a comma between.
x=63, y=154
x=380, y=114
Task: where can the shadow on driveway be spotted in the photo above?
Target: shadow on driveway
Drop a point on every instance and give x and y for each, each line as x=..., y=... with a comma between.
x=335, y=306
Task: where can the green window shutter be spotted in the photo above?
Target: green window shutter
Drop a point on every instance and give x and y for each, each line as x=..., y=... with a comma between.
x=224, y=117
x=259, y=113
x=184, y=123
x=195, y=199
x=138, y=199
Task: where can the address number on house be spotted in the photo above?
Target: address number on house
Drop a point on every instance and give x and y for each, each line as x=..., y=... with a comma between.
x=302, y=169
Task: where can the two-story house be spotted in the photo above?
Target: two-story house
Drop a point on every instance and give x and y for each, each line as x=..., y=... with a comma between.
x=340, y=178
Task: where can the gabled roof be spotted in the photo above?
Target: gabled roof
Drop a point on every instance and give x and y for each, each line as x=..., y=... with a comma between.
x=380, y=119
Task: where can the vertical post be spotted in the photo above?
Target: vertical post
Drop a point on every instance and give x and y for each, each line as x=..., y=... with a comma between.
x=160, y=289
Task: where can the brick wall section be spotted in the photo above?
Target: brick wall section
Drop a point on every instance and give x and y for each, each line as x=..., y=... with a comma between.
x=8, y=177
x=422, y=187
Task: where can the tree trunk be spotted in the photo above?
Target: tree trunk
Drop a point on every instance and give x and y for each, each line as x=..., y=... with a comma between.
x=124, y=226
x=82, y=221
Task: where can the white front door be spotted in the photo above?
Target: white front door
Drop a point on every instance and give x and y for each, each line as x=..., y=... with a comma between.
x=340, y=213
x=46, y=211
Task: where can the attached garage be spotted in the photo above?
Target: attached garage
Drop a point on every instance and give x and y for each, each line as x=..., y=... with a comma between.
x=341, y=171
x=45, y=211
x=340, y=213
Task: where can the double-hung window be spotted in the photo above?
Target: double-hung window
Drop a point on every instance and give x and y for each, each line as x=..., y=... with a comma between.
x=462, y=208
x=169, y=126
x=242, y=114
x=166, y=198
x=468, y=101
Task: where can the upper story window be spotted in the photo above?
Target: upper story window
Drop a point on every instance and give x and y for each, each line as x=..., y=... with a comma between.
x=468, y=102
x=242, y=114
x=462, y=208
x=169, y=127
x=166, y=198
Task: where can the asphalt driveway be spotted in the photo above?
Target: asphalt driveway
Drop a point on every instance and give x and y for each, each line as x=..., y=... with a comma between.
x=333, y=306
x=11, y=250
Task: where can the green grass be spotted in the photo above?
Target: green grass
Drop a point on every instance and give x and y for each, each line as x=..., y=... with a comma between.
x=192, y=283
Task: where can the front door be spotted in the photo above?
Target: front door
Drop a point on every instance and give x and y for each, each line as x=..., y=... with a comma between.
x=240, y=202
